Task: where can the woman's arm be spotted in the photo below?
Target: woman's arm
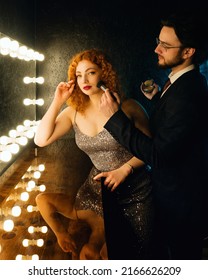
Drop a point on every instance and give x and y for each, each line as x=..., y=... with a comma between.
x=54, y=125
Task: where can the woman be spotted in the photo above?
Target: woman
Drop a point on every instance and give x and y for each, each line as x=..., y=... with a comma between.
x=124, y=175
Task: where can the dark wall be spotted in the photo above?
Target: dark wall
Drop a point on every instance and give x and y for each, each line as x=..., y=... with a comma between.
x=127, y=33
x=17, y=20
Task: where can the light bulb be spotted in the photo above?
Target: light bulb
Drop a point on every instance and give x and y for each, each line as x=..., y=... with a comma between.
x=27, y=80
x=16, y=211
x=29, y=134
x=13, y=133
x=41, y=167
x=7, y=225
x=22, y=52
x=33, y=242
x=27, y=123
x=40, y=80
x=40, y=102
x=5, y=45
x=13, y=148
x=31, y=184
x=33, y=229
x=5, y=156
x=31, y=208
x=22, y=140
x=27, y=257
x=42, y=188
x=4, y=140
x=24, y=196
x=37, y=174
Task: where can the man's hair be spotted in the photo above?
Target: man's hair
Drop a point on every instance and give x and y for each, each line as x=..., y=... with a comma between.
x=191, y=30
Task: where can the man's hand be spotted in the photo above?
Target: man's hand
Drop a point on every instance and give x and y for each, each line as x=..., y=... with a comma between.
x=108, y=106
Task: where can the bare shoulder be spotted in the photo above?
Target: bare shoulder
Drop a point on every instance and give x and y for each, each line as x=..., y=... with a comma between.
x=135, y=111
x=68, y=113
x=131, y=107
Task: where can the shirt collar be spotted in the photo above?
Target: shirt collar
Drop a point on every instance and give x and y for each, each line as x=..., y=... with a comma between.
x=174, y=77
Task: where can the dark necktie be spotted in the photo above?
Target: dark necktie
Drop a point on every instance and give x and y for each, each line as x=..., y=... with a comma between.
x=166, y=85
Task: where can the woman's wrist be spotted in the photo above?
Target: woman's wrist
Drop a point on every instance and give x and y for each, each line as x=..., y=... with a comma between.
x=131, y=168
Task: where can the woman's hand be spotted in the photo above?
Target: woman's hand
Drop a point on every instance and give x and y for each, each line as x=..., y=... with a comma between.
x=115, y=177
x=66, y=243
x=64, y=91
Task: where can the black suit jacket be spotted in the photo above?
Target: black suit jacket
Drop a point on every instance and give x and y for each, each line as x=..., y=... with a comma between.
x=176, y=150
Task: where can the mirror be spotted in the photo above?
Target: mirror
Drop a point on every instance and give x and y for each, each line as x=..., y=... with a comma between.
x=16, y=62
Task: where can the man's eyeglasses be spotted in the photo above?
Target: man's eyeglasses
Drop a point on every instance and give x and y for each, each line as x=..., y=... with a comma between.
x=165, y=46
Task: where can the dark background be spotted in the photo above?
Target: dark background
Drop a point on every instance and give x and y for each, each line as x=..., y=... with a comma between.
x=124, y=29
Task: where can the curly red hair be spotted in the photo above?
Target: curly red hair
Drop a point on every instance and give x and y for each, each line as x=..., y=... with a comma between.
x=78, y=100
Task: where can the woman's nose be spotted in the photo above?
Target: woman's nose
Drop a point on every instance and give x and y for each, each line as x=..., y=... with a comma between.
x=85, y=79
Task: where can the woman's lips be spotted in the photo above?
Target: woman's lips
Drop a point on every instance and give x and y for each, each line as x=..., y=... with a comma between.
x=87, y=87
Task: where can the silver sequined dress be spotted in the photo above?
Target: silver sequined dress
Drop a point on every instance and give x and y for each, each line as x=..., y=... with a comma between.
x=128, y=211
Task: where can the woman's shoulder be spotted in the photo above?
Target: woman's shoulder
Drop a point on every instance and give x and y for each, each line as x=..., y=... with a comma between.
x=132, y=105
x=69, y=112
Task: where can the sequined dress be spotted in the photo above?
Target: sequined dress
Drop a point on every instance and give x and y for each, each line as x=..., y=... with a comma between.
x=128, y=211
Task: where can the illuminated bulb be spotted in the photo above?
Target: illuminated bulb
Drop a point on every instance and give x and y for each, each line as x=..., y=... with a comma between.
x=33, y=242
x=20, y=128
x=5, y=45
x=30, y=54
x=38, y=56
x=40, y=102
x=4, y=140
x=37, y=174
x=40, y=80
x=41, y=167
x=5, y=156
x=31, y=184
x=27, y=257
x=27, y=80
x=41, y=57
x=24, y=196
x=42, y=188
x=15, y=211
x=5, y=42
x=27, y=123
x=26, y=101
x=7, y=225
x=22, y=52
x=14, y=46
x=13, y=133
x=29, y=134
x=31, y=208
x=22, y=140
x=42, y=229
x=13, y=148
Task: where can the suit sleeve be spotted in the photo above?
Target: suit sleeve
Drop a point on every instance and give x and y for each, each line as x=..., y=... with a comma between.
x=124, y=131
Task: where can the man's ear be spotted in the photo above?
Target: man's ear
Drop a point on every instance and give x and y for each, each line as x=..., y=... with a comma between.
x=188, y=52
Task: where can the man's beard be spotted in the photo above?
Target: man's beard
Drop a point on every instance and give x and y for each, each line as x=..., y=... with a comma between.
x=171, y=64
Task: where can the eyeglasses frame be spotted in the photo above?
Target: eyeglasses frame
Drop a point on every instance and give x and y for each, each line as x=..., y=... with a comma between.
x=162, y=44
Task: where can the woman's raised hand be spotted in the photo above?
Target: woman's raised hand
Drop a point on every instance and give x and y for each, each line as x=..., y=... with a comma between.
x=64, y=91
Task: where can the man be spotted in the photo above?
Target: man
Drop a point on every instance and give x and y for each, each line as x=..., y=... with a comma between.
x=175, y=152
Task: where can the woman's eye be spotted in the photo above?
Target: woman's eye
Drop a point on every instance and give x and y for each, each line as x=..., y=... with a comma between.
x=91, y=73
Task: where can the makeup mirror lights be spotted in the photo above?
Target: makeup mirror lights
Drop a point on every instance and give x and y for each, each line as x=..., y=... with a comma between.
x=17, y=98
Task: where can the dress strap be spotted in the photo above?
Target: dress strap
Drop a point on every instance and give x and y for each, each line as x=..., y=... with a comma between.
x=75, y=117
